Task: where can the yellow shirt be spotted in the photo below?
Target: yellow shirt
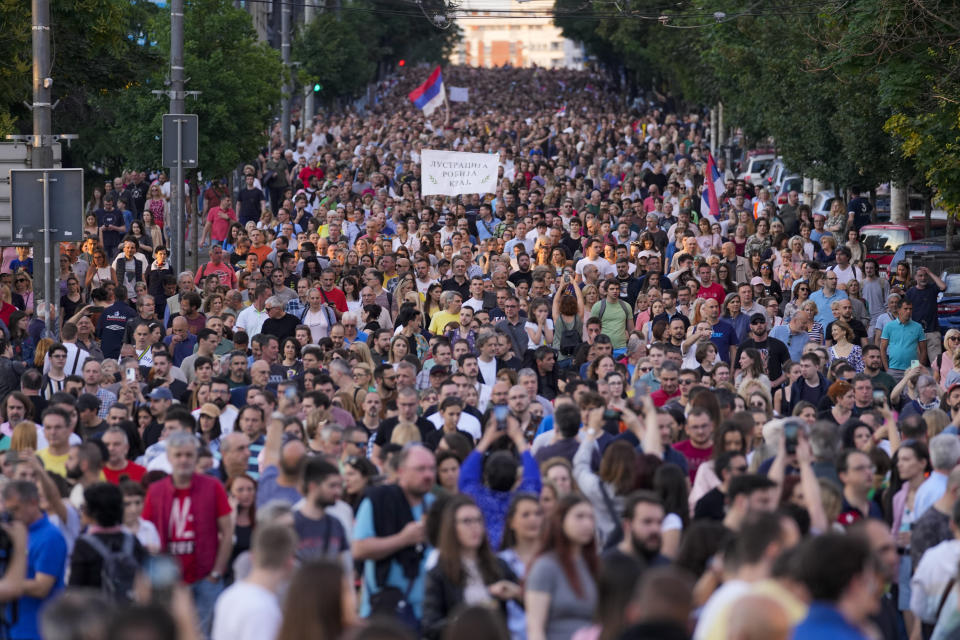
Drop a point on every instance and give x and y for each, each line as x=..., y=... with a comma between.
x=56, y=464
x=440, y=320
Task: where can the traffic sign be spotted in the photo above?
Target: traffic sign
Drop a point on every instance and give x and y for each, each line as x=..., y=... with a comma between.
x=180, y=139
x=65, y=201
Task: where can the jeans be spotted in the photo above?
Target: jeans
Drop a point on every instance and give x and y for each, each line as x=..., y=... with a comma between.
x=205, y=594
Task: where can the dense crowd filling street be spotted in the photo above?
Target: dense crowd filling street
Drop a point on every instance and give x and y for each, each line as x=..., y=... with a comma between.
x=596, y=403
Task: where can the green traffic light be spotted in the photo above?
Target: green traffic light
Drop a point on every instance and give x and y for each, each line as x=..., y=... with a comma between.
x=317, y=87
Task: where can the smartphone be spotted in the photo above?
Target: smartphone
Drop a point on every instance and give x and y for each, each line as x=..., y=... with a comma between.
x=611, y=421
x=791, y=436
x=914, y=364
x=131, y=374
x=290, y=392
x=879, y=398
x=500, y=412
x=164, y=575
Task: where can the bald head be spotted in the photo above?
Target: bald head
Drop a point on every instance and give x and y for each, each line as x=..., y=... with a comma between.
x=758, y=618
x=179, y=322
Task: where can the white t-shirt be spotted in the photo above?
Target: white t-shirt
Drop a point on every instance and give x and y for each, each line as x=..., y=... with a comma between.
x=246, y=611
x=467, y=423
x=602, y=265
x=488, y=370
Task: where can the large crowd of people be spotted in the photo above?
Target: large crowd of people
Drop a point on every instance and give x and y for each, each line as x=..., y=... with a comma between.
x=577, y=407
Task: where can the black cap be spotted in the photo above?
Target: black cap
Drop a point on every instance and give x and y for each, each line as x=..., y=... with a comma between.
x=758, y=316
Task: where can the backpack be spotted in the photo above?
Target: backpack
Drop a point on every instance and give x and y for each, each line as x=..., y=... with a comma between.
x=118, y=569
x=626, y=310
x=570, y=337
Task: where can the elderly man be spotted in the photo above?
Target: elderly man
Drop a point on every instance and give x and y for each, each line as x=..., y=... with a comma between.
x=191, y=512
x=794, y=334
x=279, y=323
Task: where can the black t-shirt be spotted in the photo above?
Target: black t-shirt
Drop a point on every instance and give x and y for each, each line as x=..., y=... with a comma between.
x=773, y=352
x=385, y=430
x=521, y=276
x=711, y=505
x=249, y=204
x=859, y=331
x=861, y=209
x=282, y=328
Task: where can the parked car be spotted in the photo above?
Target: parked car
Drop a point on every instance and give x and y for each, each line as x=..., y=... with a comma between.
x=883, y=240
x=756, y=167
x=822, y=200
x=948, y=304
x=927, y=246
x=792, y=182
x=775, y=174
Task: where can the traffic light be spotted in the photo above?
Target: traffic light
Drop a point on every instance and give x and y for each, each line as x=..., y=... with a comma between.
x=401, y=63
x=317, y=87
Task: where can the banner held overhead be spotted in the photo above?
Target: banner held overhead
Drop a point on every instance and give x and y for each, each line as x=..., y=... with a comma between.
x=453, y=173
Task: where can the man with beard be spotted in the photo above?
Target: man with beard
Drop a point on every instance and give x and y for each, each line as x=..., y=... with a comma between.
x=83, y=468
x=773, y=352
x=390, y=533
x=642, y=532
x=321, y=535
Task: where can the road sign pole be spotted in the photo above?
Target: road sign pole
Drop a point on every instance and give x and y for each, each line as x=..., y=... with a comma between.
x=178, y=228
x=48, y=275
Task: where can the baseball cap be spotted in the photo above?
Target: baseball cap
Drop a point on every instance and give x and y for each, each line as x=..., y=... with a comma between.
x=210, y=409
x=756, y=280
x=758, y=317
x=161, y=393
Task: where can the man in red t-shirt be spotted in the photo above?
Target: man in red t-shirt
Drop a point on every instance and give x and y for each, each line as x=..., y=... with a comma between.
x=192, y=515
x=709, y=288
x=217, y=267
x=218, y=222
x=332, y=295
x=118, y=445
x=698, y=447
x=669, y=384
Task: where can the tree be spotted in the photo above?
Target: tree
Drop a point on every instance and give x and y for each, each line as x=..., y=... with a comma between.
x=240, y=83
x=343, y=52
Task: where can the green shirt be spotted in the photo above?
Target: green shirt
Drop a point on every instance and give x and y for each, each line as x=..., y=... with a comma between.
x=613, y=323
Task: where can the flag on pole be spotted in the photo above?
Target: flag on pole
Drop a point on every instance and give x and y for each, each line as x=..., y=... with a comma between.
x=430, y=94
x=562, y=111
x=712, y=185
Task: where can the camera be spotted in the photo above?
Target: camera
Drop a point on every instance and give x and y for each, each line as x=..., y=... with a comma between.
x=611, y=421
x=791, y=434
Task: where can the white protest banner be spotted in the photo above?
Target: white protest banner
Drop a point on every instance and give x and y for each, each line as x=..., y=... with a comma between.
x=459, y=94
x=452, y=173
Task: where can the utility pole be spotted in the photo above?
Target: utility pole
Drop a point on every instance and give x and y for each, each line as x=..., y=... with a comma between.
x=285, y=55
x=41, y=152
x=177, y=194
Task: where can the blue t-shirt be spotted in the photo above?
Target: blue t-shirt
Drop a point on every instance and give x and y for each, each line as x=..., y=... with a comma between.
x=112, y=328
x=724, y=337
x=824, y=312
x=362, y=529
x=902, y=342
x=268, y=489
x=47, y=554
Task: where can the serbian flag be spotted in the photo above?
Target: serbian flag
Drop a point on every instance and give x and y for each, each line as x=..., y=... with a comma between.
x=562, y=111
x=712, y=185
x=430, y=94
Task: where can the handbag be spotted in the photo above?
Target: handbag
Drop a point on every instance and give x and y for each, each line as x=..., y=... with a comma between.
x=391, y=602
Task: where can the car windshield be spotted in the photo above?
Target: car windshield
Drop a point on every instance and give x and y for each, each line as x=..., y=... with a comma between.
x=793, y=184
x=877, y=240
x=761, y=164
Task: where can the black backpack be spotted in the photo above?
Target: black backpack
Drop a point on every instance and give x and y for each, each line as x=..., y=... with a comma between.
x=118, y=569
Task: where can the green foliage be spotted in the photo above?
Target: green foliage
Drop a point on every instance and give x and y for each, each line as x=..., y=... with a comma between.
x=343, y=52
x=239, y=79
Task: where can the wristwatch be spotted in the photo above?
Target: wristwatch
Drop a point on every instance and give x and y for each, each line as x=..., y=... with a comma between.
x=216, y=575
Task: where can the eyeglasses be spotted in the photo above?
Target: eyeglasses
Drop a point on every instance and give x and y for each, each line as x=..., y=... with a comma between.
x=953, y=338
x=358, y=443
x=645, y=369
x=686, y=381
